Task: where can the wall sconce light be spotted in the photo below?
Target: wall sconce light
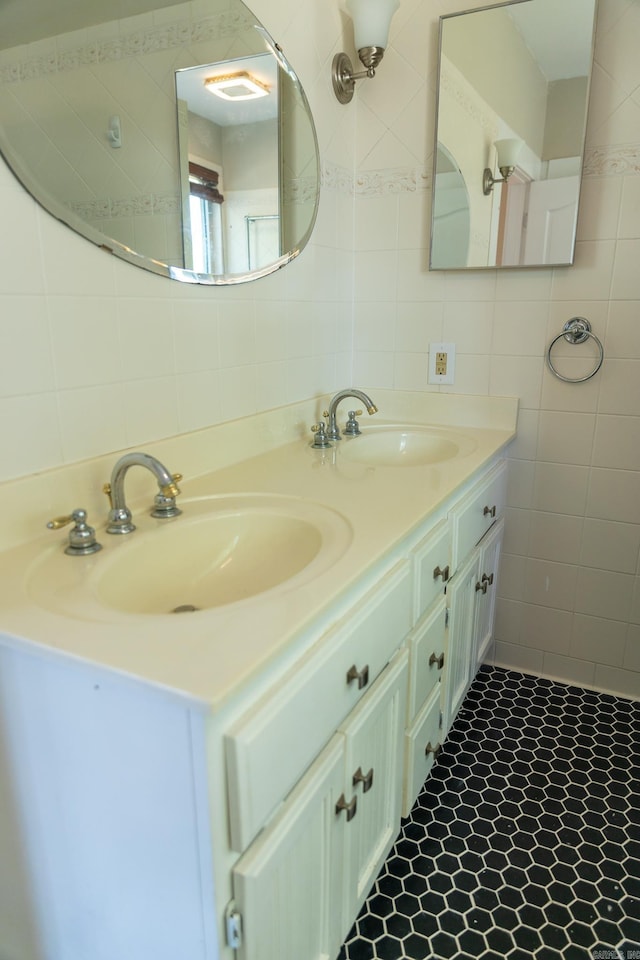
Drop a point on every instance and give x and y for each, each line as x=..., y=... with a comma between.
x=508, y=152
x=371, y=20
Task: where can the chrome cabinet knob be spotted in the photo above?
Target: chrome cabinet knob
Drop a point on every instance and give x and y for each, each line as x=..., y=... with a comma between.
x=362, y=676
x=349, y=808
x=366, y=779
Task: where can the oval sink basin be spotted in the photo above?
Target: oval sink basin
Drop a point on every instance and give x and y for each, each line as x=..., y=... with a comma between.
x=409, y=446
x=221, y=550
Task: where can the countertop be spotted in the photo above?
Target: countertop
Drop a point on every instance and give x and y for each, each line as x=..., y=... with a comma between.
x=210, y=655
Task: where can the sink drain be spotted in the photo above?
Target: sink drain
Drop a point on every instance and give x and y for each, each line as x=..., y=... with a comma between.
x=185, y=608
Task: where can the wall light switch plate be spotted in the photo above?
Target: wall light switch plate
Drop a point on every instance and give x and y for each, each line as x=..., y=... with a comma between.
x=442, y=362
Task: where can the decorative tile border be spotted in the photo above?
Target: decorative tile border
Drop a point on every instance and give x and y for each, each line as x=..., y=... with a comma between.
x=333, y=177
x=145, y=205
x=375, y=183
x=612, y=161
x=300, y=191
x=459, y=89
x=608, y=161
x=165, y=37
x=150, y=204
x=380, y=183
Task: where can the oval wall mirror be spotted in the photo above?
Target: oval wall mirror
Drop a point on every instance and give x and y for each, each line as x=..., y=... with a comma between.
x=176, y=136
x=513, y=90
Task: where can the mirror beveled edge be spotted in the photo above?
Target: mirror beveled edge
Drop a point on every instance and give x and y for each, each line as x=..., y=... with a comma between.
x=61, y=212
x=438, y=109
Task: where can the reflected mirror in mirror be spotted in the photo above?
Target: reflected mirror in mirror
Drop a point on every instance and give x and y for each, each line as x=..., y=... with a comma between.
x=513, y=89
x=176, y=136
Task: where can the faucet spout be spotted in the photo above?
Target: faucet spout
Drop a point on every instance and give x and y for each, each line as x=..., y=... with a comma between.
x=164, y=505
x=333, y=432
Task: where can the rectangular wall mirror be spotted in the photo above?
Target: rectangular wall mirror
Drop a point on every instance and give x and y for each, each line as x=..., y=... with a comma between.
x=513, y=92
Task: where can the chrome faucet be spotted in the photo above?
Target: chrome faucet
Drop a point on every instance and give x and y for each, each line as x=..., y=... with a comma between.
x=165, y=500
x=333, y=433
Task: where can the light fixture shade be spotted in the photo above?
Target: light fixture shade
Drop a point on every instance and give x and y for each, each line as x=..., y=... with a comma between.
x=371, y=21
x=508, y=151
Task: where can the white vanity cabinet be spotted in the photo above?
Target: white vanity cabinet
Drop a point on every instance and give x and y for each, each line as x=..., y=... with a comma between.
x=247, y=821
x=301, y=883
x=477, y=535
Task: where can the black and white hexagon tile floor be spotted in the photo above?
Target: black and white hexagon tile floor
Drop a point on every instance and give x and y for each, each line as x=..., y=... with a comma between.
x=525, y=840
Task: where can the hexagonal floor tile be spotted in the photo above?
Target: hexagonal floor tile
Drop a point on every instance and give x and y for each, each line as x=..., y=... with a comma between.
x=525, y=839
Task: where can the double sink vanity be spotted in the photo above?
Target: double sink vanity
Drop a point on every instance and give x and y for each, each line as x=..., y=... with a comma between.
x=211, y=727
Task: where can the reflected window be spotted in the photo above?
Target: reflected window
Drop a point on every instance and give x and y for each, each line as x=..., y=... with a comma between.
x=205, y=210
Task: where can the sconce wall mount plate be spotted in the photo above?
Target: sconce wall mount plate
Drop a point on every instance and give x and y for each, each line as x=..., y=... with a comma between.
x=488, y=178
x=343, y=77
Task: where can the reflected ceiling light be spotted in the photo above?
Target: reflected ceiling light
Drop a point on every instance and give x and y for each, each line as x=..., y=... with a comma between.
x=508, y=152
x=236, y=86
x=371, y=21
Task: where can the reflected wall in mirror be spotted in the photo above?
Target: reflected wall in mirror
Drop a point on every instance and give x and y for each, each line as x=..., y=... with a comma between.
x=114, y=125
x=519, y=72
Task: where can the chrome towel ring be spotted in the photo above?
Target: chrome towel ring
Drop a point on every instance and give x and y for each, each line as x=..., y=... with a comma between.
x=576, y=330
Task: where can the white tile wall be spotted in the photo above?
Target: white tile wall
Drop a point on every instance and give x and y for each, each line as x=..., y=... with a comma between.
x=97, y=355
x=570, y=594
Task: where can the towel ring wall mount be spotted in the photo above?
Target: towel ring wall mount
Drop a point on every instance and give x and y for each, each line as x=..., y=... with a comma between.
x=576, y=330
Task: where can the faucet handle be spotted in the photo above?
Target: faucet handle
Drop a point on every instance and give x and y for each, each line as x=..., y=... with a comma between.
x=171, y=490
x=320, y=435
x=106, y=488
x=352, y=427
x=164, y=502
x=82, y=537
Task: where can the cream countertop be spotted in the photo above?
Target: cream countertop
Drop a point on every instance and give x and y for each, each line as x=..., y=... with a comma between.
x=211, y=654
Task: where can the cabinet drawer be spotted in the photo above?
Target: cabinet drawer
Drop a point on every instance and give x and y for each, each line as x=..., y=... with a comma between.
x=269, y=749
x=477, y=511
x=421, y=741
x=427, y=657
x=431, y=560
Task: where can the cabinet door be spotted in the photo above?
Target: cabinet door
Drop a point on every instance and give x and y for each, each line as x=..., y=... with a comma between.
x=374, y=735
x=431, y=564
x=473, y=515
x=486, y=597
x=288, y=885
x=461, y=593
x=426, y=646
x=307, y=705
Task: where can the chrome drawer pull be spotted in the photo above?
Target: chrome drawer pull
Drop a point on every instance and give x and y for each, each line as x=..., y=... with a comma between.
x=434, y=658
x=444, y=573
x=436, y=751
x=366, y=779
x=487, y=579
x=349, y=808
x=362, y=676
x=482, y=586
x=489, y=511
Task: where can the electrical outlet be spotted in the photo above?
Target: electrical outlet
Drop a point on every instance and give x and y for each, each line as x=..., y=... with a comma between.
x=441, y=364
x=442, y=358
